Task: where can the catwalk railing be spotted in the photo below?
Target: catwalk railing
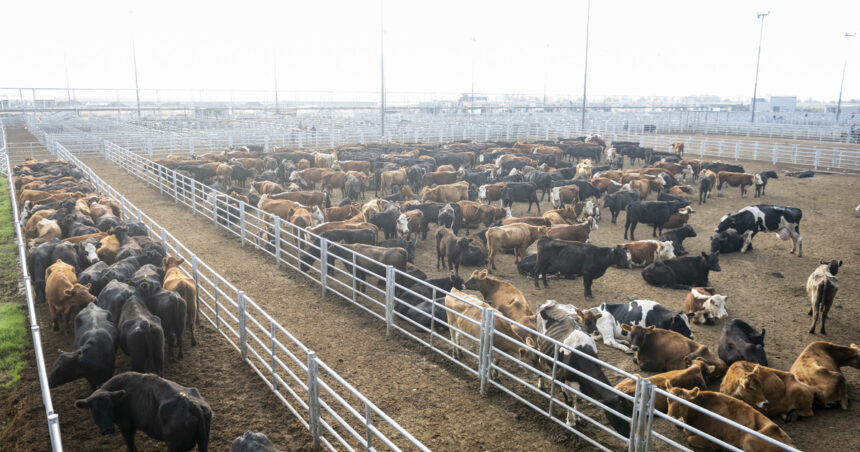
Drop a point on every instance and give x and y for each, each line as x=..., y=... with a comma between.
x=39, y=357
x=315, y=257
x=337, y=415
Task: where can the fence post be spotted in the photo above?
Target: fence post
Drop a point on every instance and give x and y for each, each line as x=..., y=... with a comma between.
x=242, y=220
x=193, y=198
x=195, y=273
x=164, y=240
x=643, y=415
x=274, y=363
x=737, y=150
x=277, y=233
x=775, y=153
x=314, y=398
x=243, y=330
x=160, y=183
x=486, y=350
x=755, y=151
x=175, y=188
x=389, y=298
x=323, y=263
x=817, y=156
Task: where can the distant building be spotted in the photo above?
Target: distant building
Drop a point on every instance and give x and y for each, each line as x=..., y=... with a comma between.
x=783, y=104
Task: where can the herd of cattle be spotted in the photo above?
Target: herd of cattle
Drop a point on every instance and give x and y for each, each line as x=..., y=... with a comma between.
x=123, y=291
x=454, y=187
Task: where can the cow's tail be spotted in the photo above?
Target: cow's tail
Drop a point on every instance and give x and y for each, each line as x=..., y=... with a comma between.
x=202, y=428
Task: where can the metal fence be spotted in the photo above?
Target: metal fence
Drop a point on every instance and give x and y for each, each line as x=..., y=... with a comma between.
x=484, y=352
x=337, y=415
x=52, y=417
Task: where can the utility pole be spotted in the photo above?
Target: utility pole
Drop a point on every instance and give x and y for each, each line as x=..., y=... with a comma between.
x=472, y=99
x=276, y=86
x=848, y=37
x=381, y=74
x=68, y=90
x=761, y=17
x=136, y=87
x=585, y=71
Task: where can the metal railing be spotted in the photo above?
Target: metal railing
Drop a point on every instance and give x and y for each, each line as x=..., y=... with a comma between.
x=52, y=417
x=315, y=257
x=337, y=415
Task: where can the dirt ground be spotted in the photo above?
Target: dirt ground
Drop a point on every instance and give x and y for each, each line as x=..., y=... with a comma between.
x=765, y=288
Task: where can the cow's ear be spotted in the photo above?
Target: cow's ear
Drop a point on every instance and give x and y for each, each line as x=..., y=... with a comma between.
x=598, y=315
x=762, y=334
x=82, y=404
x=531, y=342
x=180, y=261
x=88, y=286
x=116, y=396
x=626, y=327
x=164, y=261
x=822, y=261
x=649, y=329
x=694, y=393
x=840, y=263
x=704, y=255
x=483, y=274
x=69, y=292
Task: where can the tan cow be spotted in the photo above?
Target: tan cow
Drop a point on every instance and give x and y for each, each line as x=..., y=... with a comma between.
x=819, y=367
x=679, y=218
x=388, y=179
x=282, y=208
x=578, y=232
x=659, y=350
x=773, y=392
x=267, y=187
x=605, y=184
x=340, y=213
x=45, y=231
x=517, y=236
x=728, y=407
x=645, y=252
x=505, y=297
x=176, y=280
x=583, y=169
x=31, y=230
x=821, y=288
x=224, y=173
x=306, y=198
x=463, y=319
x=703, y=305
x=678, y=148
x=301, y=220
x=62, y=292
x=566, y=214
x=333, y=179
x=693, y=376
x=355, y=165
x=643, y=187
x=445, y=193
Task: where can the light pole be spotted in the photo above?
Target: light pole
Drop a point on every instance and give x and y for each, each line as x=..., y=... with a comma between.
x=848, y=37
x=585, y=71
x=381, y=74
x=472, y=99
x=136, y=88
x=276, y=85
x=761, y=17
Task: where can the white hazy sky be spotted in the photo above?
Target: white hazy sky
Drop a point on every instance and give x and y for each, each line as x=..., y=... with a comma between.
x=647, y=48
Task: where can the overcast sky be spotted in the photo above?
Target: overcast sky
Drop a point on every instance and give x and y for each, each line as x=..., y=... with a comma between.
x=637, y=48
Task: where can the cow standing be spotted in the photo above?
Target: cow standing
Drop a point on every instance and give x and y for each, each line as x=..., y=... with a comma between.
x=765, y=217
x=821, y=287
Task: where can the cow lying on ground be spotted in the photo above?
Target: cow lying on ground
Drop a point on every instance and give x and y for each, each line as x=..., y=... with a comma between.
x=252, y=442
x=162, y=409
x=573, y=258
x=604, y=321
x=728, y=407
x=659, y=350
x=677, y=237
x=821, y=288
x=693, y=376
x=819, y=367
x=703, y=305
x=730, y=241
x=682, y=272
x=573, y=232
x=773, y=392
x=95, y=347
x=559, y=322
x=765, y=217
x=741, y=342
x=646, y=252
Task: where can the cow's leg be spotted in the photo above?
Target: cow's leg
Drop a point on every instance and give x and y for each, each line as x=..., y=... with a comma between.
x=825, y=309
x=816, y=309
x=54, y=319
x=571, y=418
x=702, y=443
x=170, y=339
x=128, y=434
x=586, y=281
x=455, y=338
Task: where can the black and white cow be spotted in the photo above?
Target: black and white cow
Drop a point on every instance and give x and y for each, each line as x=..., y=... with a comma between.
x=761, y=181
x=765, y=217
x=560, y=323
x=605, y=321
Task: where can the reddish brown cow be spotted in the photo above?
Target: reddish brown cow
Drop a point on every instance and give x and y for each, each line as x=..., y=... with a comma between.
x=505, y=297
x=819, y=367
x=176, y=280
x=660, y=350
x=307, y=198
x=691, y=377
x=646, y=252
x=573, y=232
x=62, y=292
x=742, y=180
x=773, y=392
x=341, y=213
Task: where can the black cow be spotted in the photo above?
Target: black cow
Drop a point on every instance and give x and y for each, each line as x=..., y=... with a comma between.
x=730, y=241
x=471, y=252
x=765, y=217
x=741, y=342
x=141, y=336
x=386, y=220
x=162, y=409
x=134, y=228
x=574, y=258
x=542, y=181
x=113, y=297
x=124, y=269
x=716, y=167
x=147, y=279
x=682, y=272
x=38, y=261
x=252, y=442
x=352, y=187
x=408, y=245
x=677, y=236
x=666, y=196
x=415, y=174
x=94, y=275
x=478, y=178
x=587, y=189
x=422, y=309
x=95, y=348
x=705, y=187
x=78, y=255
x=366, y=236
x=526, y=267
x=520, y=192
x=370, y=260
x=170, y=307
x=618, y=201
x=650, y=212
x=761, y=181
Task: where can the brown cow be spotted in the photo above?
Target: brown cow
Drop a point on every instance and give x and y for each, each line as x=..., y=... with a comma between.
x=819, y=367
x=728, y=407
x=605, y=184
x=31, y=230
x=45, y=231
x=683, y=191
x=693, y=376
x=695, y=165
x=615, y=175
x=331, y=226
x=669, y=167
x=308, y=177
x=660, y=350
x=505, y=297
x=679, y=218
x=463, y=319
x=355, y=165
x=446, y=193
x=415, y=223
x=491, y=192
x=743, y=180
x=43, y=197
x=645, y=252
x=438, y=177
x=678, y=148
x=252, y=163
x=703, y=305
x=821, y=288
x=445, y=247
x=282, y=208
x=643, y=187
x=534, y=221
x=179, y=282
x=573, y=232
x=563, y=195
x=565, y=215
x=389, y=179
x=109, y=245
x=517, y=236
x=474, y=214
x=224, y=173
x=340, y=213
x=267, y=187
x=62, y=292
x=773, y=392
x=307, y=198
x=333, y=179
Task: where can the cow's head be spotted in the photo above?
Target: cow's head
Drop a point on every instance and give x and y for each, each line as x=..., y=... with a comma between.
x=89, y=253
x=66, y=368
x=679, y=410
x=456, y=281
x=588, y=319
x=702, y=365
x=665, y=250
x=832, y=266
x=681, y=324
x=750, y=389
x=727, y=221
x=637, y=334
x=402, y=225
x=476, y=279
x=79, y=295
x=712, y=261
x=620, y=257
x=715, y=306
x=101, y=404
x=170, y=262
